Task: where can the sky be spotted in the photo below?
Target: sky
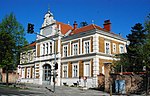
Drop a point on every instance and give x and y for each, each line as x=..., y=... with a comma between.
x=123, y=14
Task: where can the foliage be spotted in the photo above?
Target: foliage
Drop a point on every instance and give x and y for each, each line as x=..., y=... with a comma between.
x=84, y=23
x=11, y=40
x=133, y=59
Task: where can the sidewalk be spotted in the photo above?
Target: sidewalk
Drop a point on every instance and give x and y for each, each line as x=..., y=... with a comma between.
x=65, y=91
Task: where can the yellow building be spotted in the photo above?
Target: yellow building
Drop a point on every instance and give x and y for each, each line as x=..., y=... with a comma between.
x=81, y=53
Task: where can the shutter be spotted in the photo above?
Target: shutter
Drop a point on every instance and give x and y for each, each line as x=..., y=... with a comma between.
x=69, y=70
x=68, y=49
x=81, y=68
x=91, y=44
x=38, y=50
x=79, y=46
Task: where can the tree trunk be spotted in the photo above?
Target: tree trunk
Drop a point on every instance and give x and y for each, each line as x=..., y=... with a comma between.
x=7, y=76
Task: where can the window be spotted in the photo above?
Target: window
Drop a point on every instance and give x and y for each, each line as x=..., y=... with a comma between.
x=43, y=49
x=50, y=47
x=75, y=70
x=65, y=71
x=47, y=72
x=114, y=47
x=87, y=70
x=75, y=49
x=28, y=73
x=121, y=48
x=65, y=53
x=107, y=47
x=86, y=47
x=46, y=48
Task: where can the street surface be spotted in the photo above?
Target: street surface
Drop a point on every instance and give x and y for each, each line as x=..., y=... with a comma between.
x=41, y=90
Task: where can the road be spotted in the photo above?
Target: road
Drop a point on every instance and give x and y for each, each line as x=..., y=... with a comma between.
x=38, y=90
x=41, y=90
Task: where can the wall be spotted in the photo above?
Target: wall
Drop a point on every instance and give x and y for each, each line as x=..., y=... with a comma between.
x=12, y=77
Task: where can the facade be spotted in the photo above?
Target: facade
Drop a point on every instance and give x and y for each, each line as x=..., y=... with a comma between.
x=80, y=53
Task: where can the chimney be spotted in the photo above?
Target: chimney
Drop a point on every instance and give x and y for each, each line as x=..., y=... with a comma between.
x=75, y=25
x=107, y=25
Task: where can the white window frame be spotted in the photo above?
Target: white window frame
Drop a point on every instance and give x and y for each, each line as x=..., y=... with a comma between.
x=50, y=47
x=65, y=70
x=120, y=48
x=87, y=74
x=73, y=70
x=43, y=49
x=64, y=55
x=85, y=50
x=75, y=49
x=114, y=47
x=109, y=51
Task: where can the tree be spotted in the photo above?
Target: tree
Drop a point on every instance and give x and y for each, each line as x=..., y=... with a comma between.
x=133, y=59
x=135, y=49
x=11, y=41
x=84, y=23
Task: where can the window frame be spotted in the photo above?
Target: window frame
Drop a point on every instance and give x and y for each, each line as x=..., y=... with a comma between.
x=75, y=72
x=85, y=48
x=65, y=71
x=121, y=50
x=77, y=52
x=65, y=51
x=114, y=48
x=109, y=51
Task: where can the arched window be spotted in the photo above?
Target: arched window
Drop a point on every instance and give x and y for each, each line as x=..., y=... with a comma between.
x=46, y=72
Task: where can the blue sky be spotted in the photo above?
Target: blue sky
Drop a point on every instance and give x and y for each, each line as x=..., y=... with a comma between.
x=123, y=13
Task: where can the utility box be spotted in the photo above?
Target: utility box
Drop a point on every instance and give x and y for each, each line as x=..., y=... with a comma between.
x=120, y=86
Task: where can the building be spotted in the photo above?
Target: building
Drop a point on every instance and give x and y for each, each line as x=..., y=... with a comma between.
x=81, y=53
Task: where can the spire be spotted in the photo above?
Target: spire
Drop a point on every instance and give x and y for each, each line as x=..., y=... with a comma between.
x=49, y=8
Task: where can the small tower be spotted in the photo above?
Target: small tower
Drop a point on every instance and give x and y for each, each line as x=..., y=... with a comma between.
x=48, y=19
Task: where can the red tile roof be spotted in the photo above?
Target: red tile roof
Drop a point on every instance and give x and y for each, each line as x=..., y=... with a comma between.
x=86, y=28
x=64, y=27
x=32, y=44
x=90, y=27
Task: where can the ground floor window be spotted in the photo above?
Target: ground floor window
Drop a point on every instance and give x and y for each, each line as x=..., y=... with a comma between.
x=64, y=71
x=75, y=70
x=46, y=72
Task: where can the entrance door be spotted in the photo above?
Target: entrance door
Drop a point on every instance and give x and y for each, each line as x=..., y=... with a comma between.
x=46, y=74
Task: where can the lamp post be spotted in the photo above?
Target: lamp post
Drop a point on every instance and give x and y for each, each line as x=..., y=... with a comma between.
x=31, y=31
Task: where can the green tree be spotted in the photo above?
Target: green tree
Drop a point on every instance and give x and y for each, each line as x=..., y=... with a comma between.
x=11, y=41
x=133, y=59
x=146, y=48
x=135, y=49
x=84, y=23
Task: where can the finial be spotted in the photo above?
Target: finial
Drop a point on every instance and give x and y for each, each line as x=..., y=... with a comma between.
x=68, y=23
x=48, y=8
x=92, y=21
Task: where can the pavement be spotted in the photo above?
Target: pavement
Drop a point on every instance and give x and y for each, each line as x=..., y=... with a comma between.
x=65, y=91
x=47, y=90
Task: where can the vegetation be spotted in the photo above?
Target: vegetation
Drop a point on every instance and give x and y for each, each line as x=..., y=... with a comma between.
x=138, y=51
x=11, y=41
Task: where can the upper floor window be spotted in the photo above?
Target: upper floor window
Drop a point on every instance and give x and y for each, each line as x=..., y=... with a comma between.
x=50, y=47
x=114, y=47
x=121, y=48
x=46, y=48
x=107, y=47
x=43, y=49
x=65, y=50
x=75, y=49
x=86, y=47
